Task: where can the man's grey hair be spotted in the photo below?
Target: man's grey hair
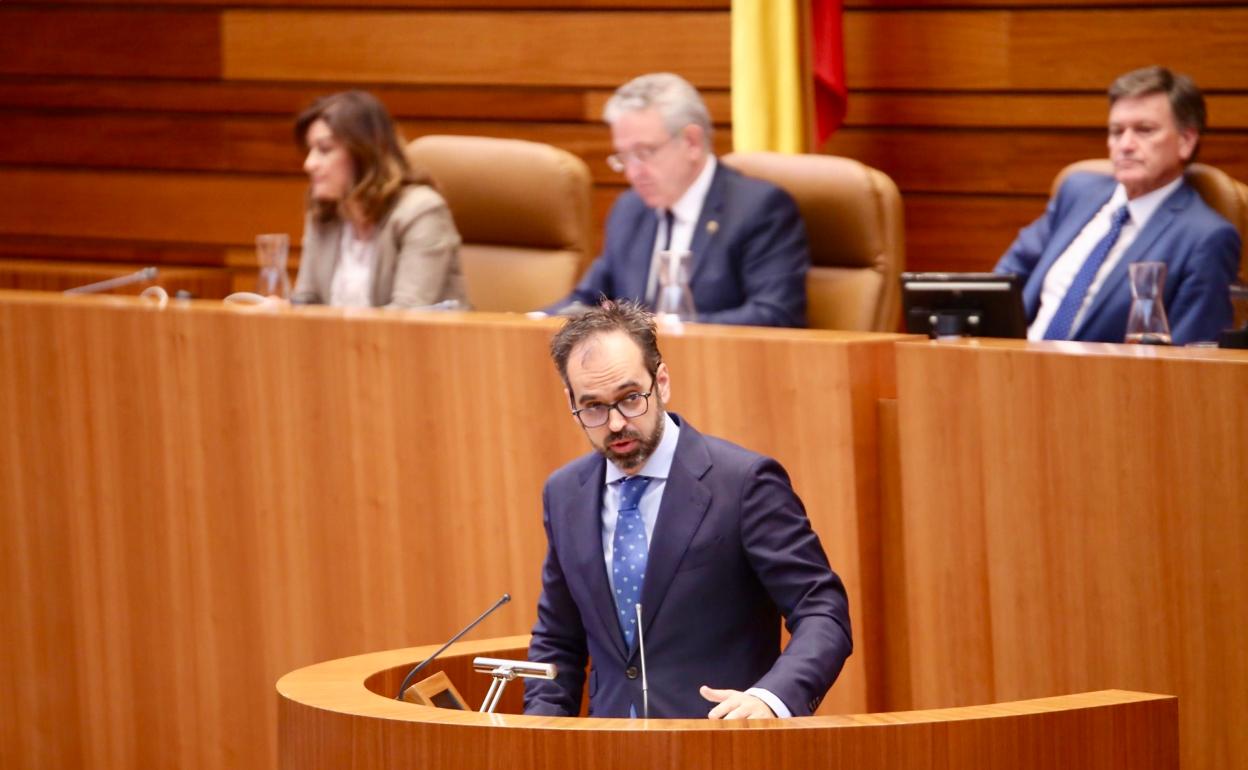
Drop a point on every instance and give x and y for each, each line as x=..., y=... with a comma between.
x=675, y=99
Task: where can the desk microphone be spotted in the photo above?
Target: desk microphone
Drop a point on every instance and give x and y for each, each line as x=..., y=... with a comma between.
x=139, y=276
x=641, y=651
x=407, y=679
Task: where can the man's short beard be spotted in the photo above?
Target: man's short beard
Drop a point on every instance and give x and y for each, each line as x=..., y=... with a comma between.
x=645, y=444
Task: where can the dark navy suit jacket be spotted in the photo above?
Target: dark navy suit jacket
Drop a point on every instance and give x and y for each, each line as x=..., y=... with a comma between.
x=1199, y=247
x=732, y=552
x=750, y=256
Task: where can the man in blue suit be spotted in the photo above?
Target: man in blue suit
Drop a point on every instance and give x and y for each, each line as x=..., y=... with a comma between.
x=1075, y=258
x=707, y=537
x=746, y=236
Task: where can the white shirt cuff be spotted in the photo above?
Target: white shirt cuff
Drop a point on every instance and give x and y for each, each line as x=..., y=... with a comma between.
x=775, y=704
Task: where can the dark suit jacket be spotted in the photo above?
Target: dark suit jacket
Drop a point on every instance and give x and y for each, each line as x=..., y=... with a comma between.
x=750, y=257
x=1199, y=247
x=732, y=552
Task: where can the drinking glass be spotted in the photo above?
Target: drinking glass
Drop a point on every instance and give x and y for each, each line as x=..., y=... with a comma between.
x=674, y=302
x=271, y=252
x=1147, y=323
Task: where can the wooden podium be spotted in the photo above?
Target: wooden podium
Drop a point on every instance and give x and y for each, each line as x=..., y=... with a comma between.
x=342, y=715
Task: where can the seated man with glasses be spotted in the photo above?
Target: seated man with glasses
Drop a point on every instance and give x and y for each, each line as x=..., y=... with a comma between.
x=706, y=541
x=746, y=236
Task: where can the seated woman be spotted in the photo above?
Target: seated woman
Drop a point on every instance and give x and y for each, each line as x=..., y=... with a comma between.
x=377, y=232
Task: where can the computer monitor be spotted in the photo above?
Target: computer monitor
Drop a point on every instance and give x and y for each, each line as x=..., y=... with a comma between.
x=964, y=305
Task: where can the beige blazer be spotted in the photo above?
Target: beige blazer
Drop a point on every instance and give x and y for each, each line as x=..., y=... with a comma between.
x=417, y=255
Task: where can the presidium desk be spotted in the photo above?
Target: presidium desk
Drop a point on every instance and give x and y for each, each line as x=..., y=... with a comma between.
x=197, y=500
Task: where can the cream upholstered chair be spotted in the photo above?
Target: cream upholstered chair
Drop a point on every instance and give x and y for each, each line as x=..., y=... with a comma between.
x=1217, y=189
x=854, y=223
x=523, y=211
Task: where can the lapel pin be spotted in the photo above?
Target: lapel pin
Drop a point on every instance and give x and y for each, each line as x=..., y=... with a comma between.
x=712, y=227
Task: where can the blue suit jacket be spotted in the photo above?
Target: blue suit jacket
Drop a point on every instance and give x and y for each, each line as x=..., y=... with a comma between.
x=1199, y=247
x=750, y=256
x=732, y=552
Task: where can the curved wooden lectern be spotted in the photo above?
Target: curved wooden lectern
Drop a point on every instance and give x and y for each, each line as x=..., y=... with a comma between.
x=341, y=715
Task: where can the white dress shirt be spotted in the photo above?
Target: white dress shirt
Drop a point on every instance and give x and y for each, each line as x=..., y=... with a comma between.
x=352, y=285
x=1057, y=281
x=685, y=214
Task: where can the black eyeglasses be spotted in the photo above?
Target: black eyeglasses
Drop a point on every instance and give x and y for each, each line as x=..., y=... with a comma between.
x=632, y=405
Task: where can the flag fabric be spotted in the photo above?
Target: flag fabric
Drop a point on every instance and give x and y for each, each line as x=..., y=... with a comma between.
x=828, y=67
x=788, y=74
x=768, y=77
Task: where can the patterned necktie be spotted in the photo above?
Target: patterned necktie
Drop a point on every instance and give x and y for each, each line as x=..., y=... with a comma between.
x=1063, y=320
x=628, y=557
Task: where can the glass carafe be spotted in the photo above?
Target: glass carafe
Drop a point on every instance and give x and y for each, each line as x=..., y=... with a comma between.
x=674, y=301
x=271, y=251
x=1147, y=323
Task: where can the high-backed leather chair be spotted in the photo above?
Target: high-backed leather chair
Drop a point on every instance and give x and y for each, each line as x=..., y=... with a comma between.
x=1217, y=189
x=523, y=211
x=854, y=221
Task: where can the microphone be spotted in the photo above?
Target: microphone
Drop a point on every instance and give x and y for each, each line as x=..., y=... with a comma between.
x=641, y=651
x=139, y=276
x=407, y=679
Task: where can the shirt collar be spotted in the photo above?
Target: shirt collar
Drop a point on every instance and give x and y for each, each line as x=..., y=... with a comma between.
x=1143, y=207
x=659, y=464
x=689, y=206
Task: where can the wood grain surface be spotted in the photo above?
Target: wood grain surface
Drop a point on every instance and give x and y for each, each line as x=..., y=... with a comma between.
x=200, y=499
x=983, y=99
x=1074, y=519
x=341, y=714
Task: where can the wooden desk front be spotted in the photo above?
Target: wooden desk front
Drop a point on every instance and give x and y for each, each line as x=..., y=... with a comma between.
x=199, y=499
x=1075, y=518
x=341, y=715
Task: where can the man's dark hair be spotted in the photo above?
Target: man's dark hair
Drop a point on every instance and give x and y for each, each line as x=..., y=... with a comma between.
x=1186, y=101
x=609, y=316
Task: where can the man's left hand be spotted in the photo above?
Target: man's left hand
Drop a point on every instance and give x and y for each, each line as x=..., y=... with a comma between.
x=734, y=704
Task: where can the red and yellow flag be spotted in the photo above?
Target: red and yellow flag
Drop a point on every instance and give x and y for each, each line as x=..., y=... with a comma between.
x=788, y=74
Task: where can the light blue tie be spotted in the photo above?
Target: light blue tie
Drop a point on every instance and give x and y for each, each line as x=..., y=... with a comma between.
x=628, y=557
x=1063, y=320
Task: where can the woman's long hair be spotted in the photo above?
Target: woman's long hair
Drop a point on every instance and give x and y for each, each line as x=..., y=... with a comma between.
x=360, y=121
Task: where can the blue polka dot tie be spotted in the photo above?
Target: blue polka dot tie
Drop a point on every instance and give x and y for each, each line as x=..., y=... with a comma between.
x=628, y=559
x=1063, y=321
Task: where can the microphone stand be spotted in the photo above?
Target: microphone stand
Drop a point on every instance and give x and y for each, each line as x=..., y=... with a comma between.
x=407, y=679
x=641, y=650
x=139, y=276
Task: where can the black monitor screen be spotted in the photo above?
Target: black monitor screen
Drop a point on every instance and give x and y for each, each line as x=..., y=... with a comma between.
x=963, y=305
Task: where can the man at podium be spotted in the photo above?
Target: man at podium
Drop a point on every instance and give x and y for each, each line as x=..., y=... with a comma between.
x=703, y=540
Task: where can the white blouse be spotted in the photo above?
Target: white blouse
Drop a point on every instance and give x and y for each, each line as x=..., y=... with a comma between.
x=353, y=277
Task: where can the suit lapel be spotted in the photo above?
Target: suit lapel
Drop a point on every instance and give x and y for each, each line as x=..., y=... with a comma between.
x=1139, y=250
x=587, y=540
x=684, y=505
x=640, y=255
x=712, y=210
x=387, y=253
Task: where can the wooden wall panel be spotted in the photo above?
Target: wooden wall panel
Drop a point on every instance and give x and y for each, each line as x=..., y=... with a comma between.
x=35, y=275
x=520, y=48
x=1041, y=49
x=957, y=100
x=104, y=43
x=955, y=232
x=177, y=208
